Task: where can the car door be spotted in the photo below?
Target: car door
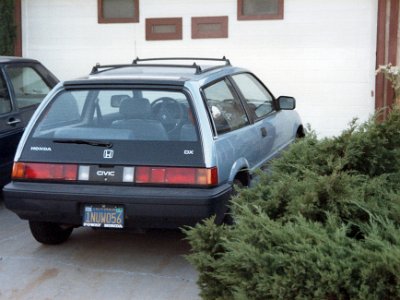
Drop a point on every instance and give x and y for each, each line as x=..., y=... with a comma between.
x=11, y=128
x=236, y=138
x=29, y=84
x=260, y=104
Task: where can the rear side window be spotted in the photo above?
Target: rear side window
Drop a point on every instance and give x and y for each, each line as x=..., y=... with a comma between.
x=29, y=86
x=129, y=114
x=259, y=100
x=226, y=110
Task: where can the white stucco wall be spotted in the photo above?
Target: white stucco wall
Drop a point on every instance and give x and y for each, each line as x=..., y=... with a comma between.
x=322, y=53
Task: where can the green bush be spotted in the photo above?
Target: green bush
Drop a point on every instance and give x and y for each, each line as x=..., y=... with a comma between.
x=322, y=224
x=7, y=27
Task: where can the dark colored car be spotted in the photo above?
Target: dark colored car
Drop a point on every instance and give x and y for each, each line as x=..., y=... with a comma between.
x=149, y=144
x=23, y=85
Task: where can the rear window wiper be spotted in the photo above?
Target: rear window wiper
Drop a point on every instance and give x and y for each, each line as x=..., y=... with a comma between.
x=85, y=142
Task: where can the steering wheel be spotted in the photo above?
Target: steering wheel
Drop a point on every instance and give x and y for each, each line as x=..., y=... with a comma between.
x=169, y=112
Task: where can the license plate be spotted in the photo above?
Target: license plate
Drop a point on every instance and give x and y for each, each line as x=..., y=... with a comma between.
x=103, y=216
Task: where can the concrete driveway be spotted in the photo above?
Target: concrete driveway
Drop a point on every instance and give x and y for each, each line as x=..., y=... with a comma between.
x=94, y=264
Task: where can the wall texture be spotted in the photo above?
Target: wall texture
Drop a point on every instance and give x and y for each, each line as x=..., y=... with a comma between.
x=322, y=52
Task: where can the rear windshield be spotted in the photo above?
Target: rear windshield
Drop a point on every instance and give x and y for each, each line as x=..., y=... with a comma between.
x=120, y=114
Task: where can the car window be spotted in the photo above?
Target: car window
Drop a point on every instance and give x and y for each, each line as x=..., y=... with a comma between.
x=258, y=99
x=29, y=86
x=226, y=110
x=65, y=111
x=151, y=115
x=5, y=101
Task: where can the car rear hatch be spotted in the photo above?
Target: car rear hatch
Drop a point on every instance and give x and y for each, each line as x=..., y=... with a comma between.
x=137, y=135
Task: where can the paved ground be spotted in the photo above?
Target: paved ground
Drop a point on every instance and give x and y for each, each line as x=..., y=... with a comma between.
x=93, y=264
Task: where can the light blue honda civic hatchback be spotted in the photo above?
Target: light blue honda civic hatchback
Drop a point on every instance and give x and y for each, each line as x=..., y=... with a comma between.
x=156, y=143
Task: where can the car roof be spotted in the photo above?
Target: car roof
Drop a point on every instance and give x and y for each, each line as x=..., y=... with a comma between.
x=8, y=59
x=157, y=73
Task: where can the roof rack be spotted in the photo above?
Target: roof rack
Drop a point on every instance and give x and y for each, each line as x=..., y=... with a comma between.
x=135, y=63
x=198, y=68
x=97, y=67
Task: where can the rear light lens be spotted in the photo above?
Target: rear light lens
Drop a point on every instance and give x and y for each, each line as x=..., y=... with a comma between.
x=44, y=171
x=140, y=175
x=183, y=176
x=128, y=174
x=84, y=172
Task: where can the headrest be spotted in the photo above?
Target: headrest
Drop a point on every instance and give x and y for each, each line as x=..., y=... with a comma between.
x=135, y=108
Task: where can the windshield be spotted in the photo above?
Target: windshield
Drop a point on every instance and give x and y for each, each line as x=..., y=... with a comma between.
x=121, y=114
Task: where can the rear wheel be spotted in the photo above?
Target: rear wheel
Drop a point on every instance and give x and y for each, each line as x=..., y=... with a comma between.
x=49, y=233
x=300, y=133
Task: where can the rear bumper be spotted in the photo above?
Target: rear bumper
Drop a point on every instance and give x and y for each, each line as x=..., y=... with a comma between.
x=145, y=207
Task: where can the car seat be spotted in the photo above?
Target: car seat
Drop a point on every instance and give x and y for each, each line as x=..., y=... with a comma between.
x=136, y=114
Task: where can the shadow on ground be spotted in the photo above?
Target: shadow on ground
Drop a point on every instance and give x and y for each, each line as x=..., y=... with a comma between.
x=94, y=264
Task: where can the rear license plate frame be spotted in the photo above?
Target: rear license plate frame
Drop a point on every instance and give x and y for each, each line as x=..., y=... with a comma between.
x=103, y=216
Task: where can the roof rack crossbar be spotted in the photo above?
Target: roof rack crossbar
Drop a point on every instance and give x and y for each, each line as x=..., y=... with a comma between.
x=224, y=59
x=98, y=68
x=198, y=69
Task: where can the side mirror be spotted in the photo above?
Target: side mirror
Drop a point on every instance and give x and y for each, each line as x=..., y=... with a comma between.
x=286, y=103
x=116, y=100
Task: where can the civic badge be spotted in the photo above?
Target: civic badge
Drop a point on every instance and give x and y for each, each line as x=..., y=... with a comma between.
x=108, y=153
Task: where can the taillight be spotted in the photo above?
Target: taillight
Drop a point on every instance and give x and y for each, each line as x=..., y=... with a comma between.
x=44, y=171
x=140, y=175
x=184, y=176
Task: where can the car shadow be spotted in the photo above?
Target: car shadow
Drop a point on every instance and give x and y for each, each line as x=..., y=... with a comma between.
x=126, y=264
x=157, y=252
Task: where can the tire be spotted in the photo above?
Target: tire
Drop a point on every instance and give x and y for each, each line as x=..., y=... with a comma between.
x=49, y=233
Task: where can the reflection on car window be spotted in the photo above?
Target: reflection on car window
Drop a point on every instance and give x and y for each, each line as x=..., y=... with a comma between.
x=29, y=87
x=227, y=111
x=5, y=102
x=66, y=110
x=145, y=115
x=258, y=99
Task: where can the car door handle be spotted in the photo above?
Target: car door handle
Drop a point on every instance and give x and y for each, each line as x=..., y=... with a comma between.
x=13, y=121
x=264, y=132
